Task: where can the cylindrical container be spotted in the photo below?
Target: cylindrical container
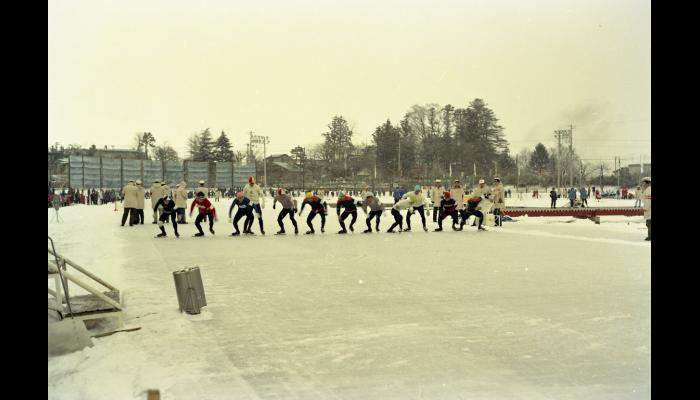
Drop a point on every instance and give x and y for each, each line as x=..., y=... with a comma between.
x=189, y=290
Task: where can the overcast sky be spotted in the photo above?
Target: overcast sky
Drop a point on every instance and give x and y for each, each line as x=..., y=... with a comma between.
x=284, y=68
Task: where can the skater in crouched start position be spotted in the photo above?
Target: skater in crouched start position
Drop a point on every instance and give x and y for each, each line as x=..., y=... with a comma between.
x=402, y=204
x=168, y=211
x=348, y=203
x=289, y=206
x=472, y=204
x=316, y=208
x=376, y=208
x=448, y=208
x=244, y=209
x=205, y=209
x=418, y=203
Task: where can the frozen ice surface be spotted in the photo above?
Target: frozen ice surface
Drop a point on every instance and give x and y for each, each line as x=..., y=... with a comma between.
x=537, y=309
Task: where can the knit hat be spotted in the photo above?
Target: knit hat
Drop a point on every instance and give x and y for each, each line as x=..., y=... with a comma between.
x=201, y=182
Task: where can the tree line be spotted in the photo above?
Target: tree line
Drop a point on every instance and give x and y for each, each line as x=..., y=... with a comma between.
x=430, y=141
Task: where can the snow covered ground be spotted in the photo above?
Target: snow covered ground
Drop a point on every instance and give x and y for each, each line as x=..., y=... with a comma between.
x=541, y=308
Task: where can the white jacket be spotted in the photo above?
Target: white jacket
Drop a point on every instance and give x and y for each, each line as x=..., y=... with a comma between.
x=402, y=204
x=155, y=194
x=254, y=193
x=436, y=195
x=141, y=197
x=180, y=196
x=485, y=203
x=457, y=193
x=131, y=194
x=417, y=200
x=647, y=202
x=497, y=196
x=165, y=190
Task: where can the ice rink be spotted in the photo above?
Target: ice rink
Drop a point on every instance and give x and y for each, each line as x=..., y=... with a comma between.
x=541, y=308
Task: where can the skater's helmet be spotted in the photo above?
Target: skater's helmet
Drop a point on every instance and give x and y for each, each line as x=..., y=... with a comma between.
x=481, y=181
x=646, y=179
x=341, y=194
x=446, y=195
x=138, y=181
x=201, y=182
x=309, y=195
x=416, y=188
x=251, y=180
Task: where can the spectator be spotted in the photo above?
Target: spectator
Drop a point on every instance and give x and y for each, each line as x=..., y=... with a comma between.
x=553, y=196
x=572, y=196
x=647, y=205
x=584, y=197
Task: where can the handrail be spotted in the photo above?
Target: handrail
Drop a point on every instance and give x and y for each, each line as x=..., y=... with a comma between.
x=63, y=283
x=83, y=270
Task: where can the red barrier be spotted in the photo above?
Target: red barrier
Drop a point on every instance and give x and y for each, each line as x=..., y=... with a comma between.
x=586, y=212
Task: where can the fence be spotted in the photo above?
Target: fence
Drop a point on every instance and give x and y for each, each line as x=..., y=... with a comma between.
x=99, y=172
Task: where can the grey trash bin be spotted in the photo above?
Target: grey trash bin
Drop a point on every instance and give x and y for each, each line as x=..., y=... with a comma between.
x=190, y=290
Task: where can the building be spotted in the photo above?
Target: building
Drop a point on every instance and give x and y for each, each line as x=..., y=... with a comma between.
x=127, y=154
x=632, y=174
x=281, y=171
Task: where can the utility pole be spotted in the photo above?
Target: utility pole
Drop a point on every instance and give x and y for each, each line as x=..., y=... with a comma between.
x=571, y=137
x=571, y=153
x=250, y=146
x=558, y=134
x=264, y=140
